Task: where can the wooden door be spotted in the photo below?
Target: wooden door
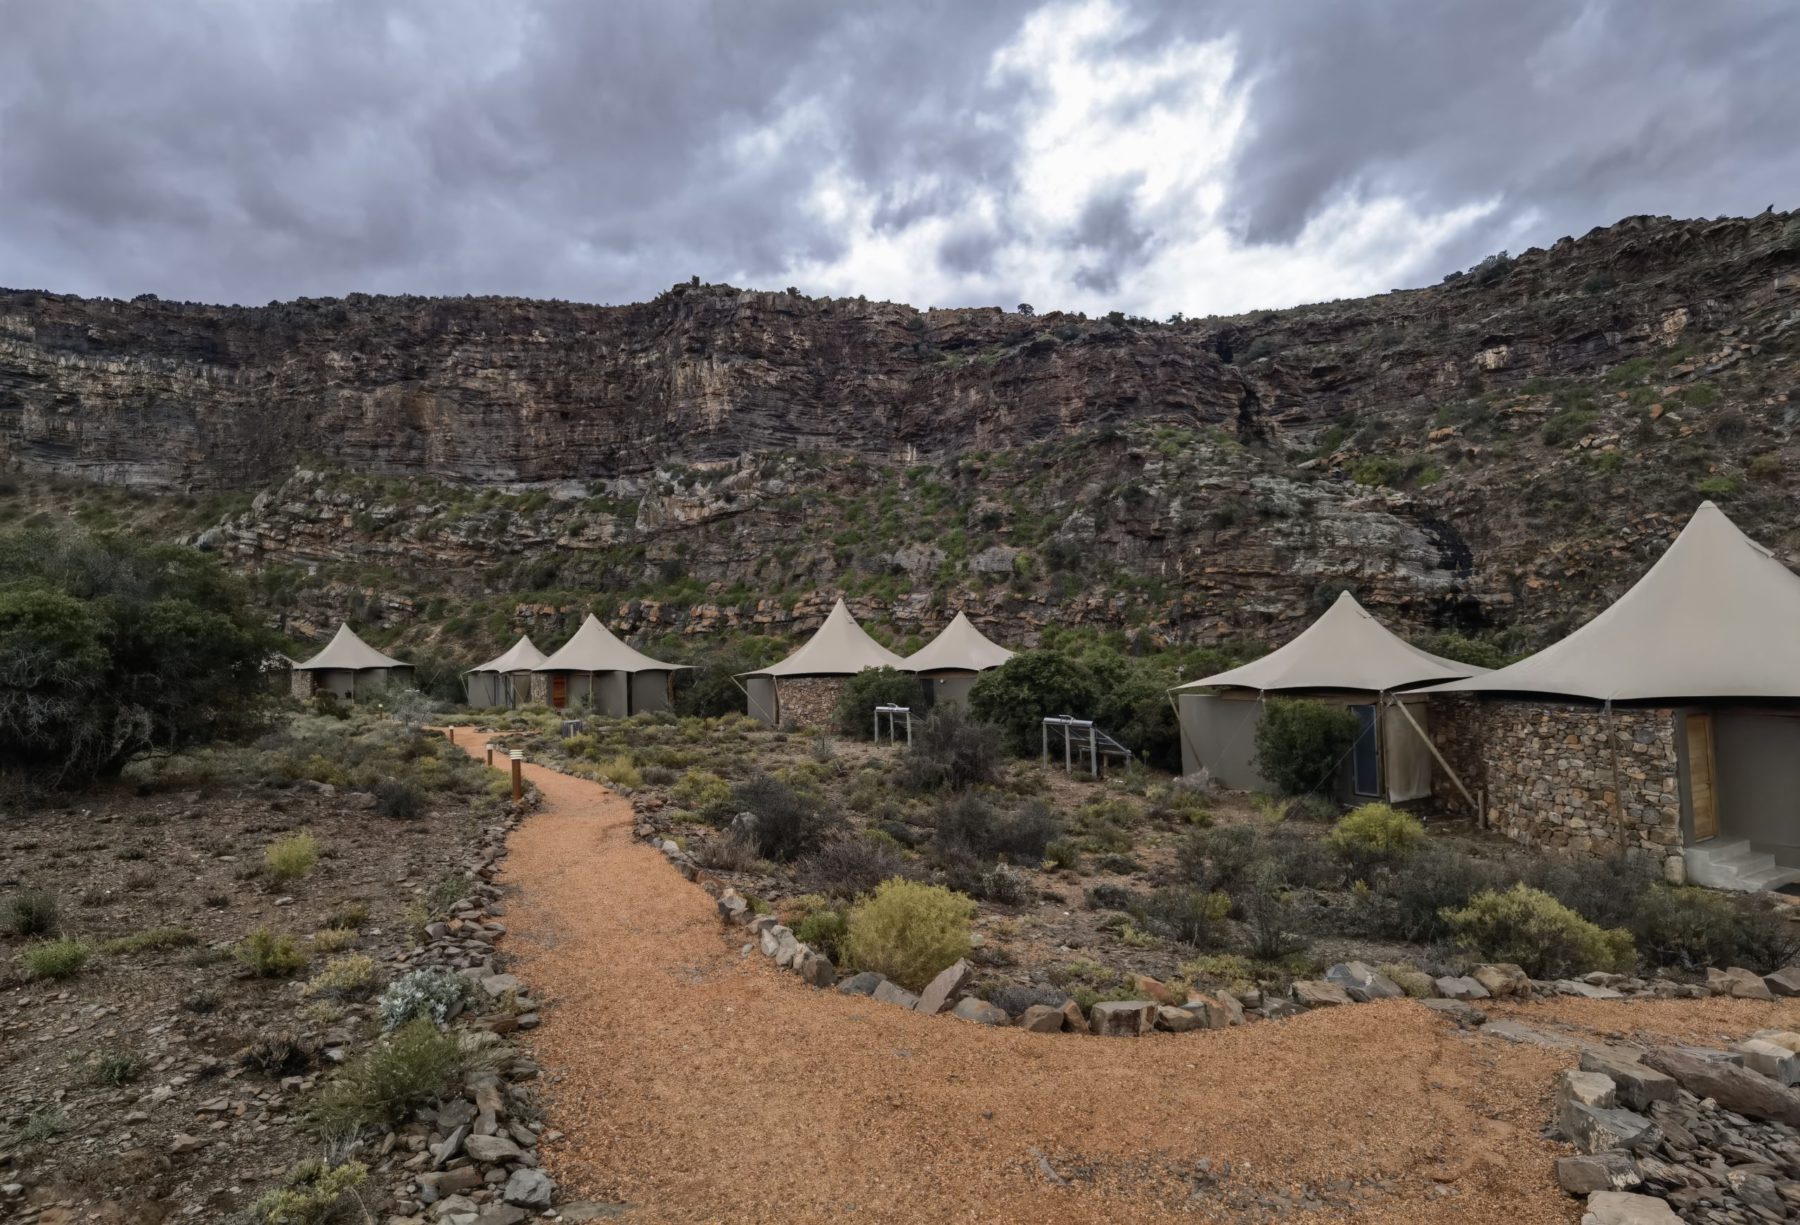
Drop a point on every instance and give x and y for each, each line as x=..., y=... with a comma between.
x=1702, y=790
x=559, y=690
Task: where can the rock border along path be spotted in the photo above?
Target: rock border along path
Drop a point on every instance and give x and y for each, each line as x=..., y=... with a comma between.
x=697, y=1083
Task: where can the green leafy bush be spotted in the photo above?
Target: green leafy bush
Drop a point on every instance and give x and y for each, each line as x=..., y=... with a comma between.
x=313, y=1194
x=1018, y=695
x=1374, y=836
x=868, y=689
x=56, y=958
x=1301, y=743
x=111, y=646
x=824, y=929
x=620, y=770
x=290, y=858
x=909, y=931
x=268, y=955
x=704, y=794
x=415, y=1066
x=1533, y=930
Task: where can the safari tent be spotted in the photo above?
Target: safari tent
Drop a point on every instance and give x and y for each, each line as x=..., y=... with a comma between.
x=1678, y=718
x=948, y=664
x=803, y=689
x=504, y=680
x=1347, y=658
x=596, y=669
x=347, y=667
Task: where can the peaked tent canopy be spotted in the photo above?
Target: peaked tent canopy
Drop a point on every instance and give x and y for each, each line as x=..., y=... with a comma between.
x=348, y=653
x=1716, y=617
x=1345, y=649
x=523, y=657
x=594, y=648
x=837, y=648
x=959, y=647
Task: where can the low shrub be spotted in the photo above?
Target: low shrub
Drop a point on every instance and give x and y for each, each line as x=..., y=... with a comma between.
x=951, y=752
x=290, y=858
x=352, y=916
x=909, y=931
x=150, y=940
x=704, y=794
x=1188, y=915
x=1300, y=743
x=1375, y=836
x=1533, y=930
x=725, y=853
x=1220, y=859
x=345, y=978
x=41, y=1125
x=970, y=825
x=330, y=940
x=268, y=955
x=1271, y=921
x=56, y=958
x=1181, y=800
x=824, y=930
x=416, y=1066
x=788, y=823
x=114, y=1069
x=399, y=800
x=1605, y=891
x=620, y=771
x=1005, y=886
x=279, y=1052
x=33, y=913
x=431, y=994
x=1691, y=929
x=1435, y=881
x=1062, y=855
x=849, y=866
x=868, y=689
x=312, y=1193
x=202, y=1003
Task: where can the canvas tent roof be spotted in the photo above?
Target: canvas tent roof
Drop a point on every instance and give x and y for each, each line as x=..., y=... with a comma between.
x=1345, y=649
x=1716, y=617
x=837, y=648
x=523, y=657
x=959, y=647
x=346, y=652
x=594, y=648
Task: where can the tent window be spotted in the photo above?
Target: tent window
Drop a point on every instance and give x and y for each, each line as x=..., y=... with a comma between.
x=1365, y=758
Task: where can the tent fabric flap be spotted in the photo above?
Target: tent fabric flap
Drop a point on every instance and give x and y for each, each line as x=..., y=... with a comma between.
x=839, y=647
x=1715, y=617
x=1345, y=649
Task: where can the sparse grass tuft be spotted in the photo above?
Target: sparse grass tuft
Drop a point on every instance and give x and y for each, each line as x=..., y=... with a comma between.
x=149, y=940
x=416, y=1066
x=268, y=955
x=33, y=913
x=290, y=858
x=56, y=958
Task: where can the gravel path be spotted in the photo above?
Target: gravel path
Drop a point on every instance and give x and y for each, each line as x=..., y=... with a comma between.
x=699, y=1085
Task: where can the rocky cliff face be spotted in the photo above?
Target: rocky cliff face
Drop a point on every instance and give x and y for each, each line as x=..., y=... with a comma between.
x=1506, y=449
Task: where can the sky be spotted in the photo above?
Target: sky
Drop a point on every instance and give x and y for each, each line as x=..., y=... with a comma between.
x=1150, y=156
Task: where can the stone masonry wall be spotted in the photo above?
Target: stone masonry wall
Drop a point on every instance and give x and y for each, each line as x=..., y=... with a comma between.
x=1548, y=773
x=809, y=703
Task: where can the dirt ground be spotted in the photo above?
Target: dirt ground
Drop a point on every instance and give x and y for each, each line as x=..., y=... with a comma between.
x=700, y=1084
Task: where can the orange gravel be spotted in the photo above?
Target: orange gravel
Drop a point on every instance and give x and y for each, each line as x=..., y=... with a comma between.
x=701, y=1085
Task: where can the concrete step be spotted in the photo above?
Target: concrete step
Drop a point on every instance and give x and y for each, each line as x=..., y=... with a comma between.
x=1736, y=864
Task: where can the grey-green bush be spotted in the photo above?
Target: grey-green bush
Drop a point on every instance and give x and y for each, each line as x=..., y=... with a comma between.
x=1301, y=743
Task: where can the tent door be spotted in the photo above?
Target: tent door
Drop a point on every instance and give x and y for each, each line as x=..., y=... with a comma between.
x=1702, y=791
x=1365, y=757
x=559, y=690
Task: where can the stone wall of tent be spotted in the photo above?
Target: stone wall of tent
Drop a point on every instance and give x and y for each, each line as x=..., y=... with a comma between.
x=1390, y=759
x=803, y=690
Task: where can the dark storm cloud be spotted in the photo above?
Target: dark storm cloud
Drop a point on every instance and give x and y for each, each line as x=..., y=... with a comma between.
x=600, y=151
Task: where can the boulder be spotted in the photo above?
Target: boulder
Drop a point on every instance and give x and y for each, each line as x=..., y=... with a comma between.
x=1734, y=1088
x=1178, y=1020
x=1465, y=1014
x=1624, y=1208
x=1577, y=1088
x=1597, y=1172
x=861, y=984
x=788, y=949
x=890, y=993
x=1502, y=979
x=732, y=906
x=529, y=1189
x=1785, y=1038
x=1773, y=1060
x=1277, y=1009
x=1122, y=1018
x=979, y=1011
x=816, y=968
x=1595, y=1129
x=1073, y=1021
x=1152, y=989
x=1585, y=990
x=1737, y=983
x=769, y=939
x=1785, y=981
x=451, y=1182
x=1042, y=1019
x=1317, y=993
x=502, y=1214
x=492, y=1150
x=1216, y=1011
x=1459, y=988
x=1362, y=982
x=1637, y=1085
x=945, y=987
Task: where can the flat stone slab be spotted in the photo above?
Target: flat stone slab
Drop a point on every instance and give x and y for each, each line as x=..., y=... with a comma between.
x=1638, y=1085
x=1513, y=1031
x=889, y=993
x=1462, y=1012
x=1624, y=1208
x=1460, y=987
x=1597, y=1172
